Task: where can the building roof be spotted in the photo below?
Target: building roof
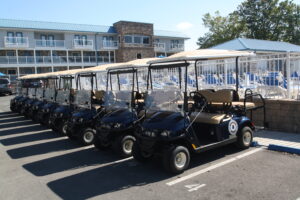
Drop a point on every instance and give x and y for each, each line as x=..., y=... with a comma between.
x=175, y=34
x=58, y=26
x=258, y=45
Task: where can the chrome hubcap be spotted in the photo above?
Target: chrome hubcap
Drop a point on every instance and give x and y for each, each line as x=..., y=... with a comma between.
x=180, y=160
x=88, y=137
x=247, y=138
x=127, y=146
x=64, y=129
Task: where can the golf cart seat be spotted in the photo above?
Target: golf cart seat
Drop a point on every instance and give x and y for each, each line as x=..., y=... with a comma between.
x=99, y=95
x=207, y=118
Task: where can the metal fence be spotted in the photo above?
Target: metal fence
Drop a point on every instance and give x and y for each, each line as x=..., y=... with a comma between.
x=272, y=75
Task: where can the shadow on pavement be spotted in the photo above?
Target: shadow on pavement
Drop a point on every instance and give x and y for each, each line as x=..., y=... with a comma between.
x=16, y=124
x=123, y=175
x=29, y=138
x=82, y=158
x=43, y=148
x=19, y=130
x=12, y=119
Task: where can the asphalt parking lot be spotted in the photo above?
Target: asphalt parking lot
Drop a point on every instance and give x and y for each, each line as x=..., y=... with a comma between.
x=36, y=163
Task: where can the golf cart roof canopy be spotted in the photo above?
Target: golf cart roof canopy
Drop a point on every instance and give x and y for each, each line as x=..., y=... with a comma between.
x=132, y=64
x=202, y=54
x=32, y=76
x=100, y=68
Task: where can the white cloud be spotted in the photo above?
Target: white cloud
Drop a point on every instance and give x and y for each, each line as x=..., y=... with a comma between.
x=184, y=25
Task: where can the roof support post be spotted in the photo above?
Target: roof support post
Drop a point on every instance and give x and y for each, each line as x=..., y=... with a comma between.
x=288, y=74
x=237, y=74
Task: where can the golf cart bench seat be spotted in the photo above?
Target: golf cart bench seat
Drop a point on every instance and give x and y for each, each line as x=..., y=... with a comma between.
x=207, y=118
x=248, y=105
x=99, y=95
x=221, y=98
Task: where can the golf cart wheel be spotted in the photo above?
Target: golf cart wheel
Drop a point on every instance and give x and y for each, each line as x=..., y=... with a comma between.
x=122, y=145
x=176, y=159
x=140, y=155
x=100, y=144
x=245, y=137
x=87, y=136
x=63, y=128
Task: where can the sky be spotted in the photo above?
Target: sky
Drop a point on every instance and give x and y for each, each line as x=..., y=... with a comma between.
x=175, y=15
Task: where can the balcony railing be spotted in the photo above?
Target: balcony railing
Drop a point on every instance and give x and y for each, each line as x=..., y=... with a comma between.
x=110, y=44
x=159, y=46
x=50, y=43
x=17, y=42
x=54, y=60
x=83, y=44
x=177, y=47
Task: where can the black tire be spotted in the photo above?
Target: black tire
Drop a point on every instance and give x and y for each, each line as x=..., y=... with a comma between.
x=100, y=145
x=171, y=156
x=63, y=128
x=139, y=155
x=244, y=138
x=123, y=144
x=87, y=136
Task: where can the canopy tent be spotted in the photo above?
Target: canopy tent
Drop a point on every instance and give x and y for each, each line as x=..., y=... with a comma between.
x=1, y=74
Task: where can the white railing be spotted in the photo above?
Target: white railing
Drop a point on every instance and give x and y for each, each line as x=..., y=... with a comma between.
x=21, y=42
x=110, y=44
x=8, y=60
x=50, y=43
x=159, y=46
x=177, y=47
x=83, y=44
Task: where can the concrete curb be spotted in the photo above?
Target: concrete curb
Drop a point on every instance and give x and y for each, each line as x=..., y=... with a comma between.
x=275, y=147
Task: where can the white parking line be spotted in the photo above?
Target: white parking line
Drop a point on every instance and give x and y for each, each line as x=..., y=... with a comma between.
x=11, y=128
x=27, y=120
x=184, y=178
x=3, y=119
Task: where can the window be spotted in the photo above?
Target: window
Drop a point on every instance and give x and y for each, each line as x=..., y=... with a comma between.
x=146, y=40
x=84, y=39
x=4, y=81
x=137, y=39
x=156, y=40
x=128, y=39
x=10, y=36
x=138, y=56
x=19, y=34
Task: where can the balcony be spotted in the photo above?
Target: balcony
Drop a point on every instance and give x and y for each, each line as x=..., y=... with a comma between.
x=159, y=46
x=110, y=44
x=16, y=42
x=55, y=44
x=176, y=47
x=54, y=60
x=83, y=44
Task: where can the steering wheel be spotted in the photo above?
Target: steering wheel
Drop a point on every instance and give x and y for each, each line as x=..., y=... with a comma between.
x=199, y=100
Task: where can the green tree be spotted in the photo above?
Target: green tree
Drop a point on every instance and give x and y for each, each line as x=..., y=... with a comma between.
x=259, y=19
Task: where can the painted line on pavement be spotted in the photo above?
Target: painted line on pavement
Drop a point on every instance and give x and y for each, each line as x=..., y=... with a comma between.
x=281, y=148
x=3, y=119
x=202, y=171
x=11, y=128
x=27, y=120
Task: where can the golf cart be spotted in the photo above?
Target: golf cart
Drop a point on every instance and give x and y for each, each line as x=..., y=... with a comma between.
x=88, y=103
x=65, y=96
x=123, y=106
x=20, y=93
x=44, y=111
x=180, y=119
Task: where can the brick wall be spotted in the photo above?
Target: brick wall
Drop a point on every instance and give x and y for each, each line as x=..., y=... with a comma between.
x=127, y=52
x=281, y=115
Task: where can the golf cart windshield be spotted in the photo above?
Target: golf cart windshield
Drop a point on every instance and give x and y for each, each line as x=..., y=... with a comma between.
x=39, y=93
x=50, y=94
x=120, y=88
x=31, y=92
x=24, y=92
x=83, y=98
x=63, y=97
x=168, y=86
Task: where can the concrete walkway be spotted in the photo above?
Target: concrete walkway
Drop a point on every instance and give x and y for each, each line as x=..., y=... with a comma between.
x=265, y=138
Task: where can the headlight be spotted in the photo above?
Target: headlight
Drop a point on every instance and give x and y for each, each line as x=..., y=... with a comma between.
x=47, y=110
x=165, y=133
x=81, y=120
x=74, y=120
x=150, y=133
x=61, y=114
x=117, y=125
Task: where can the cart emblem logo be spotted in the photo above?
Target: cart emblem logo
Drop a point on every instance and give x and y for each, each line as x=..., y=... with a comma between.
x=233, y=127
